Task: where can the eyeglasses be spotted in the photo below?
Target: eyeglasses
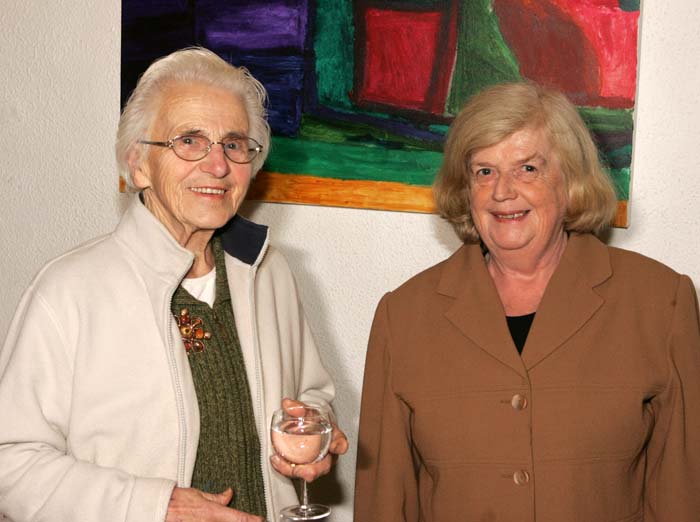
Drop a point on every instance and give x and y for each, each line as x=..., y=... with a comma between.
x=193, y=147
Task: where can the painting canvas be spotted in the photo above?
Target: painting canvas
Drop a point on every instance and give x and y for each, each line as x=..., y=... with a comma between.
x=361, y=92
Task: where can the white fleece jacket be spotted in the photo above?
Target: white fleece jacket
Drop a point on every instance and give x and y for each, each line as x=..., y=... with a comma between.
x=98, y=412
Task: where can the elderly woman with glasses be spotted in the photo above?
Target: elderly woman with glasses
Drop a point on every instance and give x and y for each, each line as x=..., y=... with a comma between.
x=537, y=374
x=141, y=370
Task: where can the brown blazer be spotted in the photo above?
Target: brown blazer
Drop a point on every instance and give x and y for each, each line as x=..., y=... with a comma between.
x=598, y=421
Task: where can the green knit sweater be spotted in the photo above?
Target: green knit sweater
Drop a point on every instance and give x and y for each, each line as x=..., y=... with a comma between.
x=228, y=454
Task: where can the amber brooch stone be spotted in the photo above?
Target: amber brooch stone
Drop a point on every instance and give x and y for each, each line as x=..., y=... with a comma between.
x=192, y=331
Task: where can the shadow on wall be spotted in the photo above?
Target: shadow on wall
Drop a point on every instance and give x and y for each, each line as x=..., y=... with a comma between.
x=445, y=235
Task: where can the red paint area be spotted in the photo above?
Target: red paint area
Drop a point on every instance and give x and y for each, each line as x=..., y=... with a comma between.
x=586, y=48
x=402, y=56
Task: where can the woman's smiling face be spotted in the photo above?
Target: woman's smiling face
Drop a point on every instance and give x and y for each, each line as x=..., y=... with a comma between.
x=518, y=195
x=190, y=196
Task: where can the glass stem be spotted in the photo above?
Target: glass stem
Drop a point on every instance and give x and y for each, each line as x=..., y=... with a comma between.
x=304, y=496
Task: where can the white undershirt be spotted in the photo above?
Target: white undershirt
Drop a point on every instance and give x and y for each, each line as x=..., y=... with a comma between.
x=202, y=288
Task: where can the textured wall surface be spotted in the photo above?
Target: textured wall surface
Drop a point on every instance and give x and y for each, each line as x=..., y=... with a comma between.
x=59, y=109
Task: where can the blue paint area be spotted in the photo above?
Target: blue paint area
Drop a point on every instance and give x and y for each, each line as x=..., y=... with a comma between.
x=283, y=77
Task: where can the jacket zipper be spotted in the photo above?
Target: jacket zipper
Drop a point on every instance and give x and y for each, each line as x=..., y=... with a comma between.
x=260, y=406
x=179, y=399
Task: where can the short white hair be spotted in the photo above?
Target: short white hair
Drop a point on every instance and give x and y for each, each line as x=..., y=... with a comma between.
x=187, y=66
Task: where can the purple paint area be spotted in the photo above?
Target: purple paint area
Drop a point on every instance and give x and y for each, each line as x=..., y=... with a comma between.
x=259, y=25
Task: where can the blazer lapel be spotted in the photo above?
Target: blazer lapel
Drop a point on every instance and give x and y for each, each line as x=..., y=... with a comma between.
x=570, y=299
x=477, y=311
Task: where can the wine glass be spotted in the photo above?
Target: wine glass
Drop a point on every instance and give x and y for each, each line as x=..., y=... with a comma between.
x=301, y=435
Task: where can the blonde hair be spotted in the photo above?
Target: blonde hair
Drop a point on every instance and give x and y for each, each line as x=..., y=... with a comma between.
x=191, y=65
x=497, y=112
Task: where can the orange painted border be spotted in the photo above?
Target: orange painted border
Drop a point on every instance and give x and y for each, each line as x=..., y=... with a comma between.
x=620, y=220
x=312, y=190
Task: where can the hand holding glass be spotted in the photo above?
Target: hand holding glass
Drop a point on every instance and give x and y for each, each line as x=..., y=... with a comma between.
x=301, y=435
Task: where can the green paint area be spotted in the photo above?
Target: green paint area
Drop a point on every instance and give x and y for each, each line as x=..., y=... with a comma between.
x=618, y=158
x=613, y=132
x=333, y=46
x=359, y=161
x=353, y=161
x=599, y=119
x=629, y=5
x=484, y=58
x=621, y=180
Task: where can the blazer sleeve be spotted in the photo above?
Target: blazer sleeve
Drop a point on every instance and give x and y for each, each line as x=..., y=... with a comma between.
x=672, y=490
x=40, y=481
x=386, y=488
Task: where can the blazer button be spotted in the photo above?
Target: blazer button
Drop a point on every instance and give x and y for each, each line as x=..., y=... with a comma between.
x=521, y=477
x=519, y=402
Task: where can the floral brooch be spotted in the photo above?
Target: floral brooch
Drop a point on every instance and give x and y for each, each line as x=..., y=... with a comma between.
x=192, y=331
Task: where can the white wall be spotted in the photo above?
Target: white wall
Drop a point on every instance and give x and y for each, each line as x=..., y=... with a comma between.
x=59, y=108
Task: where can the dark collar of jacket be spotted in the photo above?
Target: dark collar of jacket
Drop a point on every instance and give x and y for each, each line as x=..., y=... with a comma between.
x=244, y=240
x=569, y=301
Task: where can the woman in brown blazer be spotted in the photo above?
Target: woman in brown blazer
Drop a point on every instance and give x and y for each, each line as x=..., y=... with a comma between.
x=536, y=374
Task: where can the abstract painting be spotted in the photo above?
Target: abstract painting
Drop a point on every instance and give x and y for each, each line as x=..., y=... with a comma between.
x=361, y=92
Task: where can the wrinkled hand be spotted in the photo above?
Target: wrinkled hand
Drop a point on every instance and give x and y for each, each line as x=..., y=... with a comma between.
x=193, y=505
x=310, y=472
